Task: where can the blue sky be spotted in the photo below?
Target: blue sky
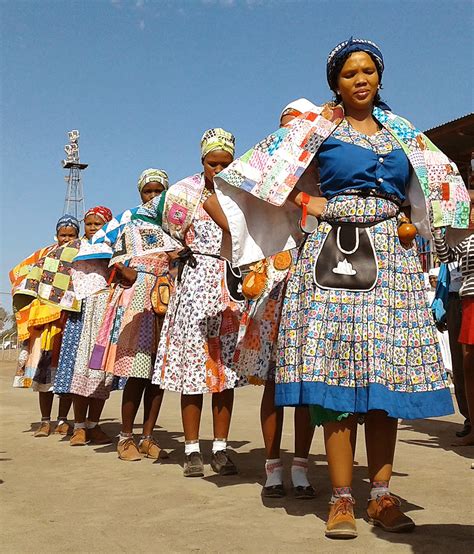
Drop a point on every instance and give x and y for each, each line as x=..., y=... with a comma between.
x=142, y=80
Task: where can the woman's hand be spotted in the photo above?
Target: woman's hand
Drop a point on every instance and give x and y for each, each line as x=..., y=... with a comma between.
x=316, y=205
x=128, y=275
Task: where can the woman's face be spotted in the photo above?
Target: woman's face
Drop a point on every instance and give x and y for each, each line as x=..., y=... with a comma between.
x=214, y=163
x=66, y=234
x=92, y=224
x=150, y=190
x=358, y=82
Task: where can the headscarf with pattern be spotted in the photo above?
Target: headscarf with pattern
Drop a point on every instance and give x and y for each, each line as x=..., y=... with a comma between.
x=67, y=221
x=152, y=175
x=217, y=139
x=347, y=47
x=101, y=211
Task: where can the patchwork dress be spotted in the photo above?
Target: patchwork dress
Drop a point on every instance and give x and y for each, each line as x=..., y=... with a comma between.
x=195, y=353
x=74, y=374
x=340, y=350
x=353, y=351
x=255, y=351
x=128, y=337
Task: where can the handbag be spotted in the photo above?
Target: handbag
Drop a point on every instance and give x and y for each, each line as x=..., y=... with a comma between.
x=233, y=282
x=160, y=295
x=347, y=259
x=255, y=281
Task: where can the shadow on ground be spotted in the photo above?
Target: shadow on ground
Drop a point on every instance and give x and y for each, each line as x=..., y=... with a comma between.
x=440, y=434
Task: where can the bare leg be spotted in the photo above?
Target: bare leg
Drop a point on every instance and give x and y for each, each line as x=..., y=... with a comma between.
x=96, y=405
x=46, y=403
x=81, y=404
x=65, y=401
x=271, y=419
x=191, y=408
x=222, y=404
x=151, y=407
x=380, y=439
x=132, y=396
x=339, y=439
x=304, y=431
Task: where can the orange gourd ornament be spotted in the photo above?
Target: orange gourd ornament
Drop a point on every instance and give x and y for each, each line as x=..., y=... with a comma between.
x=406, y=231
x=255, y=281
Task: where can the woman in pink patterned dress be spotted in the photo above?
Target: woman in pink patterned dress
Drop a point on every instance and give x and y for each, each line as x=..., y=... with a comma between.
x=200, y=328
x=128, y=338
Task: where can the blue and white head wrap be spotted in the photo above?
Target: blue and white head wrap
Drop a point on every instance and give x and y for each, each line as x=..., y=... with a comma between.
x=347, y=47
x=67, y=221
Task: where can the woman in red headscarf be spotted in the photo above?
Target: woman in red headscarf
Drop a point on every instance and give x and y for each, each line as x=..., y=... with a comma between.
x=90, y=388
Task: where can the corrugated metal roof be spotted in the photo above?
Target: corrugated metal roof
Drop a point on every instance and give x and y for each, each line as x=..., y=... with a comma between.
x=471, y=114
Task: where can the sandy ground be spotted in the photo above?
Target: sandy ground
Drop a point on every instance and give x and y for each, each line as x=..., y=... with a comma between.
x=55, y=498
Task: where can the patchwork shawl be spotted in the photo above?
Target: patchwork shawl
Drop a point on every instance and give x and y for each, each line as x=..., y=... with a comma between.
x=174, y=210
x=101, y=244
x=29, y=311
x=49, y=280
x=270, y=170
x=142, y=238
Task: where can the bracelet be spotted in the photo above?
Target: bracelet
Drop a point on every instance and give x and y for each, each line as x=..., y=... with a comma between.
x=304, y=207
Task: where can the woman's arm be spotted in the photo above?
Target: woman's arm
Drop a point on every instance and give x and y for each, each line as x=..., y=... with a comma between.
x=316, y=204
x=214, y=209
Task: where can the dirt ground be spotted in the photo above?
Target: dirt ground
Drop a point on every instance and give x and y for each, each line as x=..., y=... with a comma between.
x=55, y=498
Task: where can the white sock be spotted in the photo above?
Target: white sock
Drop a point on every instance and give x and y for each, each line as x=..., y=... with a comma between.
x=91, y=424
x=61, y=421
x=124, y=436
x=218, y=445
x=190, y=447
x=79, y=426
x=274, y=471
x=299, y=470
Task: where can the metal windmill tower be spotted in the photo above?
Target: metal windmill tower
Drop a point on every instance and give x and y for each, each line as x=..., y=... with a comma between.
x=74, y=202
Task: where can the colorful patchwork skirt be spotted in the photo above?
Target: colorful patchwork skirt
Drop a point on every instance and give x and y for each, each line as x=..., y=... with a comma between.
x=358, y=351
x=255, y=353
x=39, y=359
x=195, y=353
x=74, y=374
x=128, y=338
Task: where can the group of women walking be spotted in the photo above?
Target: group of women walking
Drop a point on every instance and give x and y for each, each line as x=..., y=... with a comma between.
x=284, y=267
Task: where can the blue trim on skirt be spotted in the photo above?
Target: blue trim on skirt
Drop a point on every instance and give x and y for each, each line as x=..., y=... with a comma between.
x=402, y=405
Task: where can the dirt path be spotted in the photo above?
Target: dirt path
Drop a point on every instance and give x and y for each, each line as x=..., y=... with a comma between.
x=55, y=498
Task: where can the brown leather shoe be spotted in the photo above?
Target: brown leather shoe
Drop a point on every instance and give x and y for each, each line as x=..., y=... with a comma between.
x=63, y=429
x=341, y=521
x=43, y=430
x=97, y=436
x=151, y=449
x=385, y=512
x=79, y=438
x=127, y=450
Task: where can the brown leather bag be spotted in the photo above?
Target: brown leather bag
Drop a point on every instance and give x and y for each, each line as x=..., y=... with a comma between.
x=160, y=295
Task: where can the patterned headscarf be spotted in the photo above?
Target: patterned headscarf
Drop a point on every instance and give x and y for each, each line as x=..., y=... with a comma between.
x=298, y=107
x=101, y=211
x=67, y=221
x=347, y=47
x=217, y=139
x=153, y=176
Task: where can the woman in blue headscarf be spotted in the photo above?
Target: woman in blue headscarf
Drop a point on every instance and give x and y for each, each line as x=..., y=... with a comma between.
x=356, y=336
